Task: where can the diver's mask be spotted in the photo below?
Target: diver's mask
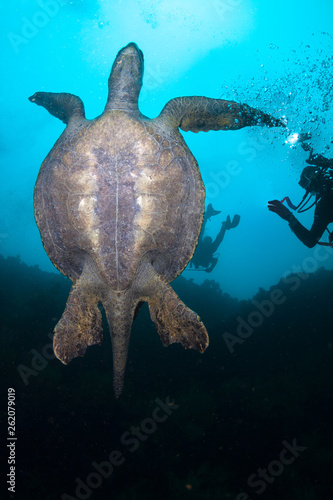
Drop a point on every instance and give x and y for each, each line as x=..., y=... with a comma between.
x=310, y=181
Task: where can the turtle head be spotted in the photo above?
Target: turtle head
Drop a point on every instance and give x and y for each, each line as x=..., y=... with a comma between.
x=125, y=80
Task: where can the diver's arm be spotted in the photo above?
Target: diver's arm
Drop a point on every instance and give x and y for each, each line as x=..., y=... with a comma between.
x=308, y=237
x=219, y=238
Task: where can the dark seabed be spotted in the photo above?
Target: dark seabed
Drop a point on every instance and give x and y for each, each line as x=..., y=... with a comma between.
x=222, y=425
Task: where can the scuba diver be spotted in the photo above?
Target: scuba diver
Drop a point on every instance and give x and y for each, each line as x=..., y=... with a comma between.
x=204, y=253
x=317, y=180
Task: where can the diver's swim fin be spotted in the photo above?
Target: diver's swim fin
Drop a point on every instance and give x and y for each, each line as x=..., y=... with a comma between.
x=210, y=211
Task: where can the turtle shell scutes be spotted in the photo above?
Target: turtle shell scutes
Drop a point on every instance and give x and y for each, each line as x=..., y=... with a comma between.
x=124, y=189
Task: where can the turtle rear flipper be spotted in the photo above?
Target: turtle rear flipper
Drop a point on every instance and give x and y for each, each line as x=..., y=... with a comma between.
x=175, y=322
x=80, y=325
x=64, y=106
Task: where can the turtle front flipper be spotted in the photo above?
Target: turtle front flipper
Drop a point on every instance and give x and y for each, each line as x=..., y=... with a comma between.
x=80, y=325
x=197, y=114
x=66, y=107
x=174, y=321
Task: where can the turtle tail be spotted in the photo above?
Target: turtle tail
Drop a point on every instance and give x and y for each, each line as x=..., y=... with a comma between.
x=119, y=312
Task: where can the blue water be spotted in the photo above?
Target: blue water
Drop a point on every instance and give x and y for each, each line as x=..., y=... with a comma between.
x=274, y=56
x=209, y=423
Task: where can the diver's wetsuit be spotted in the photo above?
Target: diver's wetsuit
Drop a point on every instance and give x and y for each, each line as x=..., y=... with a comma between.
x=323, y=217
x=204, y=254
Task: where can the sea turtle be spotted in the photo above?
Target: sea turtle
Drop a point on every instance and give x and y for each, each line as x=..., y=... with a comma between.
x=119, y=203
